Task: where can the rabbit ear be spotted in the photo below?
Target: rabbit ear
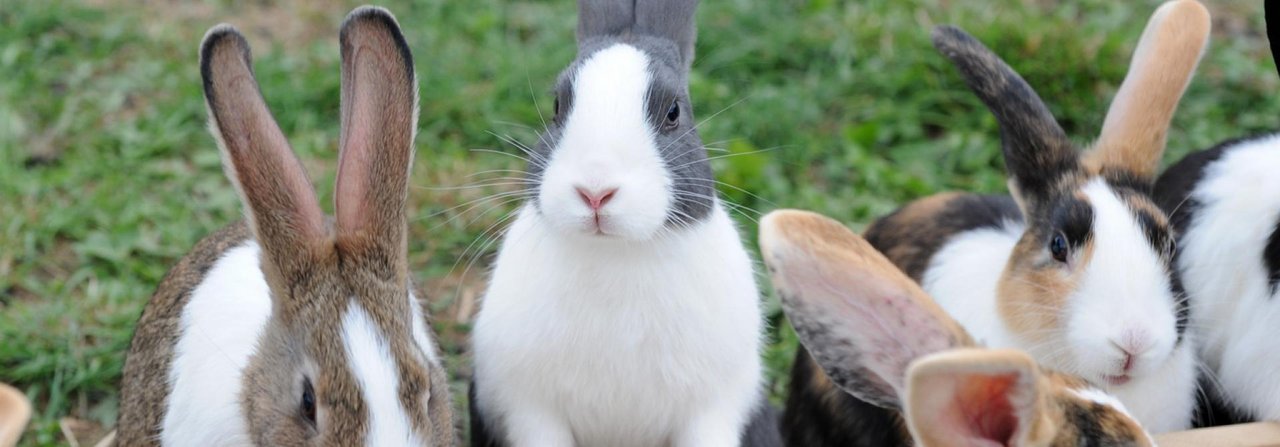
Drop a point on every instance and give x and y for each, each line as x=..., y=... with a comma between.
x=977, y=397
x=862, y=319
x=379, y=117
x=1036, y=151
x=672, y=20
x=280, y=204
x=1133, y=135
x=605, y=18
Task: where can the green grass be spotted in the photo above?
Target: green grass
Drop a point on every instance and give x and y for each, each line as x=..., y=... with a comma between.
x=107, y=174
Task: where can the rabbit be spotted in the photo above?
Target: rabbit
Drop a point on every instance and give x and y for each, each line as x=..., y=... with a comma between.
x=878, y=336
x=622, y=308
x=1224, y=203
x=290, y=328
x=1075, y=267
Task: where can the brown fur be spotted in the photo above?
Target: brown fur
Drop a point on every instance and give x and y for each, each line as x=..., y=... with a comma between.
x=1034, y=286
x=1078, y=419
x=1133, y=135
x=911, y=235
x=1046, y=172
x=315, y=271
x=858, y=262
x=821, y=268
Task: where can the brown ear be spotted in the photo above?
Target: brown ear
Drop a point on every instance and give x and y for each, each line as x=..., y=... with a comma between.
x=977, y=397
x=279, y=201
x=1133, y=135
x=379, y=118
x=862, y=319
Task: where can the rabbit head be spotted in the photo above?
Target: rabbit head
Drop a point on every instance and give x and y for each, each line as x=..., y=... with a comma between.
x=1092, y=270
x=345, y=358
x=621, y=157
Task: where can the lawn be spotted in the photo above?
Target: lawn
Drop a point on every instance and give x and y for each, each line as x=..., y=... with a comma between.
x=107, y=174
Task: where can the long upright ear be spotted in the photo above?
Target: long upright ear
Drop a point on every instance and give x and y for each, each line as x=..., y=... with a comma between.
x=379, y=118
x=605, y=18
x=280, y=203
x=977, y=397
x=1133, y=135
x=1036, y=151
x=670, y=19
x=862, y=319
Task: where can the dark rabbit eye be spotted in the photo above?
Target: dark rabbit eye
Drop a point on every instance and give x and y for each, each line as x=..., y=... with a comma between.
x=308, y=401
x=1059, y=248
x=557, y=107
x=673, y=113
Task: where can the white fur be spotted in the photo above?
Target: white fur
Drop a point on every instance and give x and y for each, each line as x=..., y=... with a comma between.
x=1123, y=297
x=607, y=143
x=1098, y=396
x=963, y=275
x=1101, y=397
x=219, y=330
x=591, y=340
x=1234, y=312
x=375, y=370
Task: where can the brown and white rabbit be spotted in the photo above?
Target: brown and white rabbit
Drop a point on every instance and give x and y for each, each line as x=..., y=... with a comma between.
x=622, y=309
x=1074, y=268
x=1225, y=205
x=880, y=337
x=290, y=328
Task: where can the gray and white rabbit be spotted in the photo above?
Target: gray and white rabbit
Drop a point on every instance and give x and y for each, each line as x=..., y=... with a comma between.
x=1224, y=203
x=622, y=309
x=290, y=328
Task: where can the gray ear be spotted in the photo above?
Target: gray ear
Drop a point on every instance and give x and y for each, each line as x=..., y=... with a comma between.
x=1036, y=150
x=669, y=19
x=605, y=18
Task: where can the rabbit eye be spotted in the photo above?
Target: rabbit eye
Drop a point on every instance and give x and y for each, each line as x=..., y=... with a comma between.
x=557, y=107
x=673, y=113
x=1059, y=248
x=308, y=401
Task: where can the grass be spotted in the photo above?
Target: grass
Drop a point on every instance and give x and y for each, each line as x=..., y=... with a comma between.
x=107, y=174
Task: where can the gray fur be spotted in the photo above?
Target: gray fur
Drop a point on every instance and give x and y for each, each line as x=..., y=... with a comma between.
x=605, y=18
x=672, y=20
x=1036, y=150
x=665, y=31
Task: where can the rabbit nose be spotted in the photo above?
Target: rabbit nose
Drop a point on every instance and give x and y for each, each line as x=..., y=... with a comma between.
x=1133, y=345
x=595, y=198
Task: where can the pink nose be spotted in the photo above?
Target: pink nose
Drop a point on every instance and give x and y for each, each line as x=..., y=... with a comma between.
x=1134, y=345
x=595, y=198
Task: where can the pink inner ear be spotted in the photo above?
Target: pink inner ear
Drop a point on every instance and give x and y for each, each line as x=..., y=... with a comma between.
x=352, y=185
x=980, y=411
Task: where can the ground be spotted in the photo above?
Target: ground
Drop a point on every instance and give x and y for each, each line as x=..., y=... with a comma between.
x=107, y=174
